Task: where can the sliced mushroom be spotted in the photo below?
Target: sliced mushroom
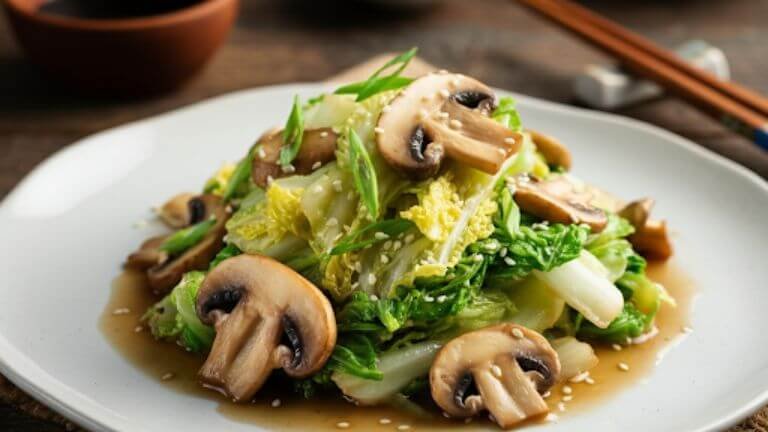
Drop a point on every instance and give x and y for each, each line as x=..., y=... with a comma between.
x=148, y=255
x=558, y=200
x=266, y=317
x=650, y=238
x=444, y=115
x=181, y=210
x=552, y=149
x=503, y=369
x=318, y=148
x=166, y=275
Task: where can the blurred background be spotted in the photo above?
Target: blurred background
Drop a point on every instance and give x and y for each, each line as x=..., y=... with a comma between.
x=279, y=41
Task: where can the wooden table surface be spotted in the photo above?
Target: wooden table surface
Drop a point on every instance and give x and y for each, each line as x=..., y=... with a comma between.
x=493, y=40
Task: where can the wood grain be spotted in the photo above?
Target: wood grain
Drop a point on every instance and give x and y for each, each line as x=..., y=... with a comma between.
x=282, y=41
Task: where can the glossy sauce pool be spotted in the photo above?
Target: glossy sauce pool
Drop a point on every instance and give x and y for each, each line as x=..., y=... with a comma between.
x=176, y=369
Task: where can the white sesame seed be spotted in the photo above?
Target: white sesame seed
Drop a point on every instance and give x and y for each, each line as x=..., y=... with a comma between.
x=261, y=152
x=270, y=179
x=509, y=261
x=316, y=165
x=477, y=257
x=579, y=378
x=687, y=329
x=332, y=222
x=503, y=252
x=384, y=259
x=616, y=347
x=318, y=188
x=324, y=134
x=288, y=169
x=380, y=235
x=342, y=425
x=373, y=297
x=567, y=390
x=355, y=285
x=516, y=332
x=561, y=406
x=386, y=108
x=276, y=403
x=121, y=311
x=442, y=115
x=445, y=93
x=455, y=124
x=546, y=394
x=442, y=298
x=378, y=130
x=446, y=415
x=496, y=371
x=168, y=376
x=589, y=380
x=138, y=329
x=337, y=186
x=428, y=298
x=501, y=151
x=551, y=417
x=409, y=238
x=623, y=366
x=397, y=245
x=510, y=141
x=567, y=398
x=403, y=427
x=384, y=421
x=387, y=244
x=358, y=267
x=371, y=278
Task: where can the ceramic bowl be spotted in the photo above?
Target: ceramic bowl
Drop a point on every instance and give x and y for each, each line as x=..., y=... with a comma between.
x=127, y=56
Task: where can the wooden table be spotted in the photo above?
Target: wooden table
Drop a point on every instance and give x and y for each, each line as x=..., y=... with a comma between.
x=493, y=40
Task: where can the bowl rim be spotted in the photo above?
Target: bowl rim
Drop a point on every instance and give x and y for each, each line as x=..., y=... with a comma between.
x=190, y=13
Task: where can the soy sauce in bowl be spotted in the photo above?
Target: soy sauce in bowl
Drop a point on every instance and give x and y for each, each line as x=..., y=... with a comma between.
x=111, y=9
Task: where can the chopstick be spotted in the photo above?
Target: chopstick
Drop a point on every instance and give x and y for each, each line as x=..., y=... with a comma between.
x=735, y=106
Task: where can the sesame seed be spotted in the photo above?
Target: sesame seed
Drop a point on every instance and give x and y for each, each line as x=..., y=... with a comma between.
x=561, y=406
x=442, y=298
x=121, y=311
x=276, y=403
x=516, y=332
x=342, y=425
x=503, y=252
x=446, y=415
x=324, y=134
x=168, y=376
x=358, y=267
x=403, y=427
x=318, y=188
x=477, y=258
x=501, y=151
x=546, y=394
x=496, y=371
x=371, y=278
x=384, y=421
x=373, y=297
x=397, y=245
x=455, y=124
x=551, y=417
x=442, y=114
x=262, y=154
x=316, y=165
x=337, y=186
x=428, y=298
x=567, y=390
x=384, y=259
x=616, y=347
x=386, y=108
x=687, y=329
x=409, y=238
x=332, y=222
x=589, y=380
x=270, y=179
x=509, y=261
x=138, y=329
x=378, y=130
x=387, y=244
x=380, y=235
x=579, y=378
x=510, y=141
x=445, y=93
x=442, y=71
x=623, y=366
x=288, y=169
x=567, y=398
x=355, y=285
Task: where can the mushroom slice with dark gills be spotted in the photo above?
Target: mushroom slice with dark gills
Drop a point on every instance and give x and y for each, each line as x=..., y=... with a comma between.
x=558, y=200
x=267, y=317
x=318, y=148
x=439, y=116
x=650, y=238
x=182, y=210
x=552, y=149
x=164, y=270
x=503, y=369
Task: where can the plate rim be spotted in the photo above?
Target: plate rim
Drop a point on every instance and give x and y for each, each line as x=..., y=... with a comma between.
x=25, y=373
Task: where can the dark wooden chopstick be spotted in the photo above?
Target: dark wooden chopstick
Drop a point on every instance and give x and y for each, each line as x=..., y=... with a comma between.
x=725, y=105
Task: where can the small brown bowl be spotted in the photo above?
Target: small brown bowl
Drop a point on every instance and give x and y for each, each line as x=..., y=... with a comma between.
x=127, y=56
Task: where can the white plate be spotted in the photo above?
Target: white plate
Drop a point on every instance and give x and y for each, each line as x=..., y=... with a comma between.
x=67, y=227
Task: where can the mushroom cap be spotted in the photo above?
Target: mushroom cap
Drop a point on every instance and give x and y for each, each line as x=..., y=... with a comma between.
x=318, y=145
x=148, y=255
x=444, y=115
x=266, y=316
x=552, y=149
x=637, y=212
x=651, y=238
x=164, y=276
x=177, y=211
x=509, y=365
x=557, y=200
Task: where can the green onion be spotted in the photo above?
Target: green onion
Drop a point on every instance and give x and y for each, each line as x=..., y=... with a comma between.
x=506, y=114
x=363, y=173
x=293, y=133
x=186, y=238
x=390, y=227
x=241, y=174
x=376, y=83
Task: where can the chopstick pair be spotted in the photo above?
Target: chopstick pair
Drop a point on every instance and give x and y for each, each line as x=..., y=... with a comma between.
x=737, y=107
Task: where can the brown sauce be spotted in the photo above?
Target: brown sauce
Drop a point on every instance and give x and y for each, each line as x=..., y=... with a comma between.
x=112, y=9
x=177, y=369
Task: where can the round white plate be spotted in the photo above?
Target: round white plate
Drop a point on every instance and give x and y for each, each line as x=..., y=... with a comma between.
x=67, y=227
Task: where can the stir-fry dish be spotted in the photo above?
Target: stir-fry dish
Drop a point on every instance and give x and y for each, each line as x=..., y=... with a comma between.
x=404, y=240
